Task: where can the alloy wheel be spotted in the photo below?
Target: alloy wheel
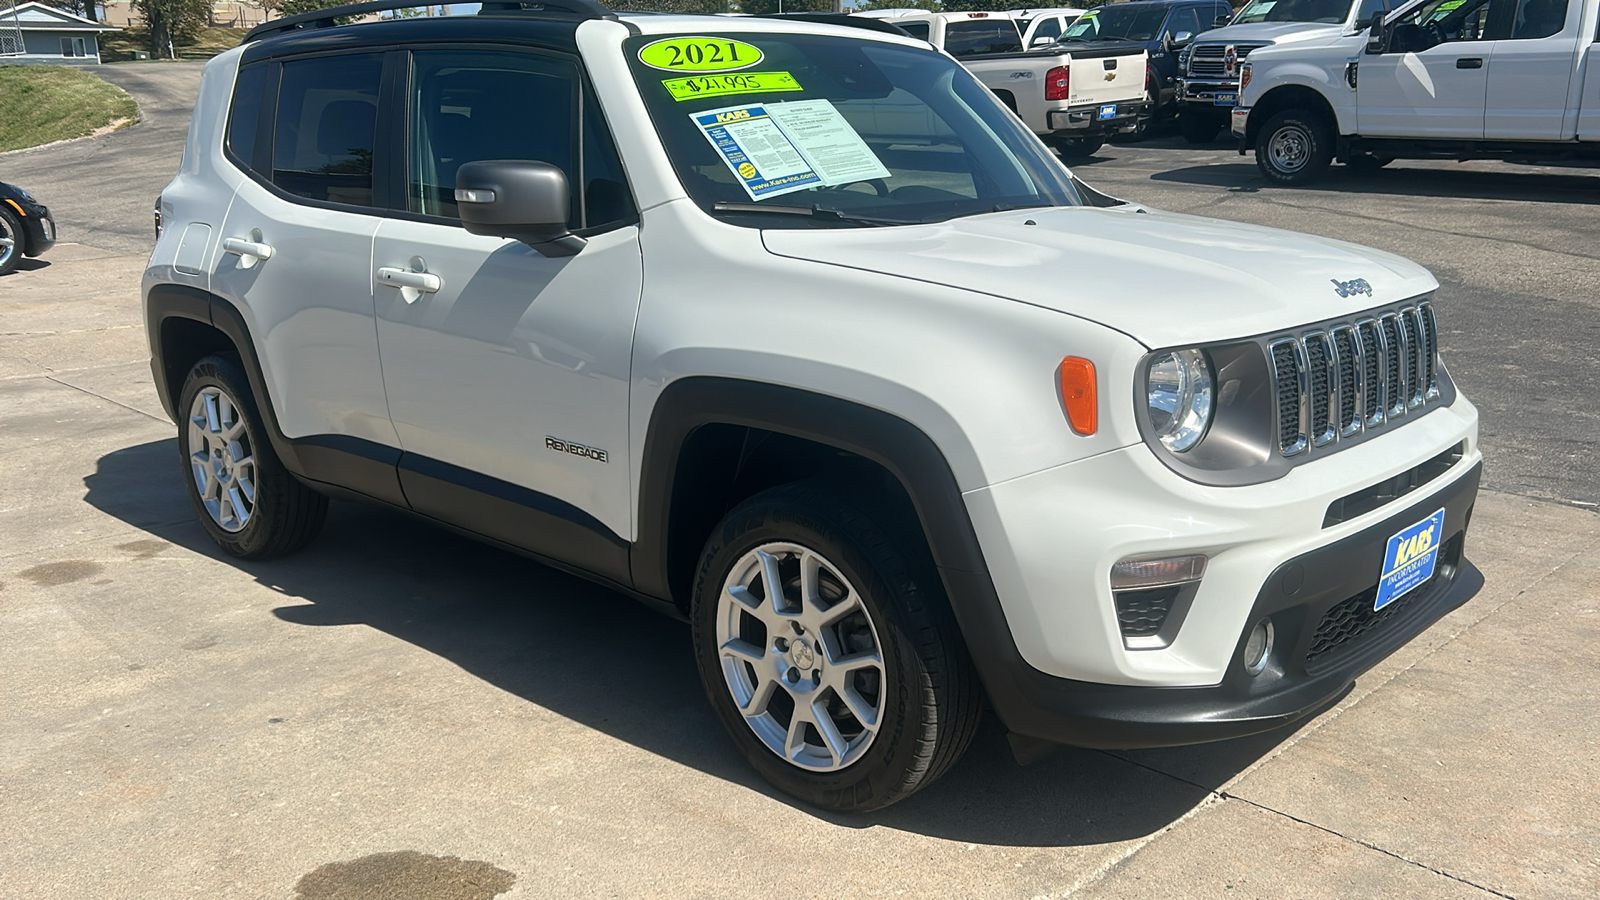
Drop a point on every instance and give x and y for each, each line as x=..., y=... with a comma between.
x=801, y=656
x=221, y=459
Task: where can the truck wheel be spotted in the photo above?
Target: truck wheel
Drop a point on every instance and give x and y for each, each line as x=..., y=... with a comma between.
x=1198, y=127
x=1366, y=162
x=248, y=502
x=1294, y=147
x=1076, y=147
x=830, y=656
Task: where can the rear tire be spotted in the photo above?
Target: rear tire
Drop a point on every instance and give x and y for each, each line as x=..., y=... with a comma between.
x=853, y=690
x=1076, y=147
x=1198, y=127
x=244, y=497
x=1366, y=163
x=1294, y=147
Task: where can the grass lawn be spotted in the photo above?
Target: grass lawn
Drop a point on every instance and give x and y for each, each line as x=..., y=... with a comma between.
x=40, y=104
x=119, y=46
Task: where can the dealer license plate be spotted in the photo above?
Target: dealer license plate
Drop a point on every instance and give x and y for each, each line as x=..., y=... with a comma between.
x=1229, y=99
x=1410, y=559
x=1108, y=112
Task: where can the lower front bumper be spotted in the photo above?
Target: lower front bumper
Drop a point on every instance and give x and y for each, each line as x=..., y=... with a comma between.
x=1326, y=635
x=41, y=231
x=1104, y=118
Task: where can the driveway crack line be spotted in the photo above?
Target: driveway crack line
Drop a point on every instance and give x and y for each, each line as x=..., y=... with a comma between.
x=105, y=398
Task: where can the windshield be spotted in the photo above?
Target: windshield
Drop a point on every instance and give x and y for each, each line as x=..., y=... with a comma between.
x=833, y=132
x=1332, y=12
x=1114, y=23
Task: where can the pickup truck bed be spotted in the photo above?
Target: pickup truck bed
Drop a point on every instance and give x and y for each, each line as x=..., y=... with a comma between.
x=1103, y=93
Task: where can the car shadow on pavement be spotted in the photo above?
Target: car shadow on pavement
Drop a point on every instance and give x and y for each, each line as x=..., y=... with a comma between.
x=1463, y=184
x=601, y=659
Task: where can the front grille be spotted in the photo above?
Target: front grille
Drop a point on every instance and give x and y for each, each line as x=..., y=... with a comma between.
x=1354, y=617
x=1209, y=60
x=1351, y=377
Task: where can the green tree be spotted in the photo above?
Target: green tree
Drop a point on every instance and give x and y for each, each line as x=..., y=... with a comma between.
x=929, y=5
x=671, y=6
x=766, y=7
x=172, y=22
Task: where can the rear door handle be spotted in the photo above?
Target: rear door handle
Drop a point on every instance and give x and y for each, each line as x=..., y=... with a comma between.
x=412, y=284
x=1469, y=62
x=250, y=250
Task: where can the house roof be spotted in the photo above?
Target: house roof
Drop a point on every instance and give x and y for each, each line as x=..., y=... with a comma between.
x=34, y=16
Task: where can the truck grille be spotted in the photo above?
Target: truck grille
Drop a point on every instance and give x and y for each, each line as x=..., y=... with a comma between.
x=1210, y=60
x=1340, y=380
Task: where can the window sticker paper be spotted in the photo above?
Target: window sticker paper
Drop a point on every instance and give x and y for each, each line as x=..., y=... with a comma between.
x=698, y=86
x=756, y=150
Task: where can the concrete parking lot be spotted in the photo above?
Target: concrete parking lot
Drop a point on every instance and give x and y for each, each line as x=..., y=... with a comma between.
x=398, y=712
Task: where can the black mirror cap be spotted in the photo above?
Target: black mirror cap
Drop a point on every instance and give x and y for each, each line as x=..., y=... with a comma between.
x=525, y=200
x=1377, y=40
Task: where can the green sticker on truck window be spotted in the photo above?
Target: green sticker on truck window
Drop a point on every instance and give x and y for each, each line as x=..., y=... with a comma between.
x=699, y=54
x=697, y=86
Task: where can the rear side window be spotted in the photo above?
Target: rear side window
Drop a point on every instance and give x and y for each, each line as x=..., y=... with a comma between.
x=1535, y=19
x=918, y=30
x=981, y=36
x=326, y=127
x=244, y=120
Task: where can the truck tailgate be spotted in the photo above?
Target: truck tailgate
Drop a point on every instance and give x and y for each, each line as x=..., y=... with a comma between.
x=1106, y=77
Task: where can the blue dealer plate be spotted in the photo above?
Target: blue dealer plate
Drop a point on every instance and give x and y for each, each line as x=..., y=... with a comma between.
x=1410, y=559
x=1108, y=112
x=1228, y=99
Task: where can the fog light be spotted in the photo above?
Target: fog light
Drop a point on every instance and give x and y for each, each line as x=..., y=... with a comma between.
x=1258, y=648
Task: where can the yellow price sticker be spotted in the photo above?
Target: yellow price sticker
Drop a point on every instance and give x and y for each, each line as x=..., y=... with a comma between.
x=723, y=85
x=699, y=54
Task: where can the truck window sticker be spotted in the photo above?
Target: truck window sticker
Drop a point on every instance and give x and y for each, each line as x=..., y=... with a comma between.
x=778, y=148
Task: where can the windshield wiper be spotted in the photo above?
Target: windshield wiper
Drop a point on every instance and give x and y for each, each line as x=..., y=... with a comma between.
x=810, y=212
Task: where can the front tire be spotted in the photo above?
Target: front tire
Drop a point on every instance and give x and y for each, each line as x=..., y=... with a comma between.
x=1077, y=147
x=848, y=687
x=244, y=497
x=1198, y=127
x=12, y=242
x=1294, y=147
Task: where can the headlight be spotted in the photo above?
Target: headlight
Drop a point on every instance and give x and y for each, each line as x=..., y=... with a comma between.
x=1179, y=387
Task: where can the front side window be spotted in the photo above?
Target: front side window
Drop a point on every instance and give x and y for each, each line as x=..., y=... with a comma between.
x=1184, y=20
x=969, y=36
x=1049, y=28
x=834, y=132
x=1441, y=21
x=325, y=128
x=470, y=105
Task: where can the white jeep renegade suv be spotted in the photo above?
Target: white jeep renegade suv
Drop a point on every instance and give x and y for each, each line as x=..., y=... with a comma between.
x=790, y=329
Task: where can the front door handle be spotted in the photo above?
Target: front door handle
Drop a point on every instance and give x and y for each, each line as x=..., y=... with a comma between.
x=250, y=250
x=412, y=284
x=1469, y=62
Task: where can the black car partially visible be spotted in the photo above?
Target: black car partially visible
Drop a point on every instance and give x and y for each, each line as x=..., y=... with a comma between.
x=26, y=228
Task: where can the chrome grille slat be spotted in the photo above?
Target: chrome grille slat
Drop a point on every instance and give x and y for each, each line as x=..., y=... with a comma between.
x=1320, y=386
x=1345, y=378
x=1289, y=376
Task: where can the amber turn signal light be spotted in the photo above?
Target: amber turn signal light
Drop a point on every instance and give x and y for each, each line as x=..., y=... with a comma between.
x=1078, y=393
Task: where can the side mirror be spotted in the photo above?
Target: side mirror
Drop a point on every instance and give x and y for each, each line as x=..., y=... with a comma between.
x=1221, y=21
x=521, y=199
x=1182, y=38
x=1043, y=40
x=1377, y=40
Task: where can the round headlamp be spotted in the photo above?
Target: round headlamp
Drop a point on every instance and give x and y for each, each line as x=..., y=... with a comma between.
x=1179, y=388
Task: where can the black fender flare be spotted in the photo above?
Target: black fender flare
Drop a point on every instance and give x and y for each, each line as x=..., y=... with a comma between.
x=900, y=447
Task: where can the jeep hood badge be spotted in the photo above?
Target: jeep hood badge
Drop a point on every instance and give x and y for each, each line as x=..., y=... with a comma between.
x=1350, y=288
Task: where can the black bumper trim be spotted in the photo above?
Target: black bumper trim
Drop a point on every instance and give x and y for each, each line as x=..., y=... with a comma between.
x=1296, y=596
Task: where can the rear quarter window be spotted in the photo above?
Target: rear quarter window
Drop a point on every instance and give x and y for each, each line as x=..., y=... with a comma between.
x=244, y=119
x=981, y=36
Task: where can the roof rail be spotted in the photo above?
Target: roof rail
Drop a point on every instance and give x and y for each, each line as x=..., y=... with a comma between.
x=848, y=21
x=324, y=18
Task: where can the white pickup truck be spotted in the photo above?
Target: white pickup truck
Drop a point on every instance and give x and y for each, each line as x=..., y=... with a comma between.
x=1073, y=97
x=1444, y=79
x=1209, y=87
